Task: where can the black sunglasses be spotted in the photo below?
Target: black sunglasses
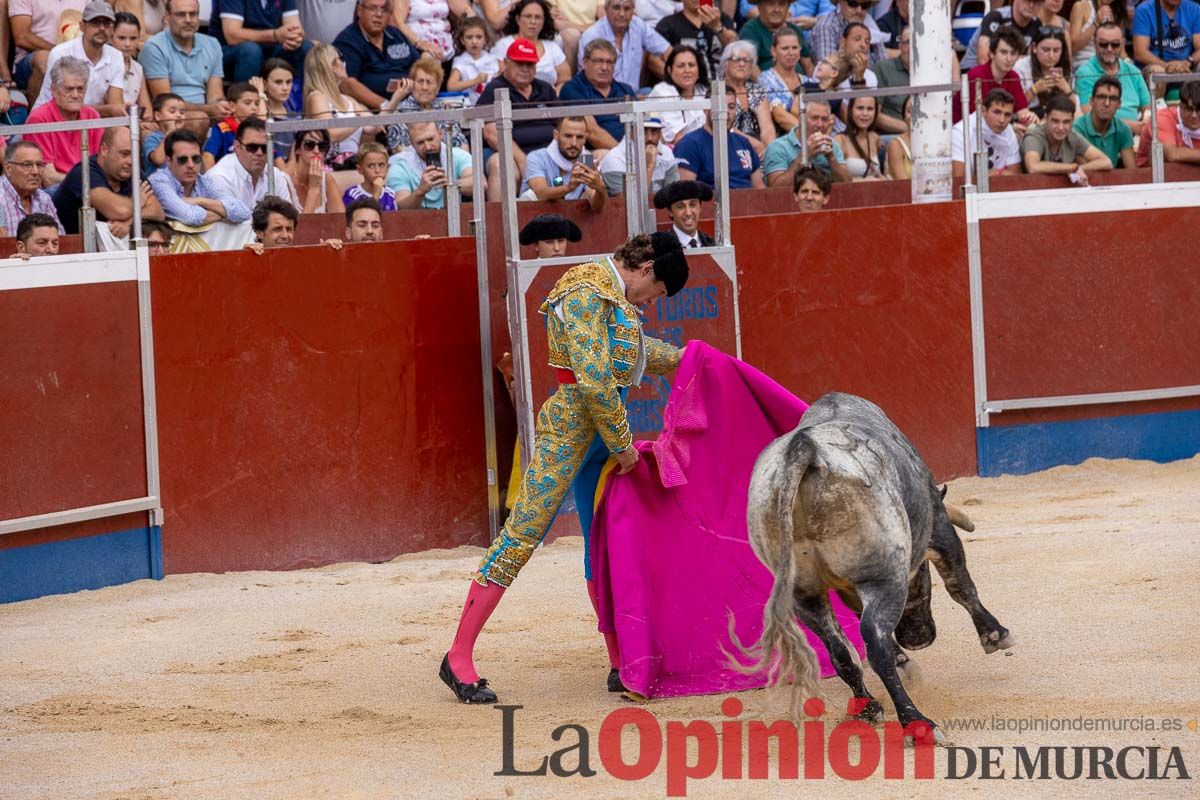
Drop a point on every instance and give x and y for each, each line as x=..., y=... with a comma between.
x=314, y=144
x=859, y=3
x=257, y=147
x=185, y=159
x=1108, y=45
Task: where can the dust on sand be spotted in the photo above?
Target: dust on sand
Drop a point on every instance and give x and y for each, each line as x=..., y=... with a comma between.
x=323, y=683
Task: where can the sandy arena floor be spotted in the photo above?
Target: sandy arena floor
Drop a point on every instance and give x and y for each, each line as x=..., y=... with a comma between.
x=323, y=683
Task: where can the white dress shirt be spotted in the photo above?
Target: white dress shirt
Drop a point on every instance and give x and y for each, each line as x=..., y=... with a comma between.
x=687, y=239
x=231, y=177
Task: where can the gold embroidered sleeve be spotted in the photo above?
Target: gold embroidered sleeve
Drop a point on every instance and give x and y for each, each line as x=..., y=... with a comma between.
x=585, y=326
x=661, y=357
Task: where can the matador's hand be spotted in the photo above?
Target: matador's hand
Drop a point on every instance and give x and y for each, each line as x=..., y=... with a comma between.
x=627, y=459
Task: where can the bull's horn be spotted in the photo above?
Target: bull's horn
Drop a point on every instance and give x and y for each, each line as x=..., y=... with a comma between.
x=959, y=518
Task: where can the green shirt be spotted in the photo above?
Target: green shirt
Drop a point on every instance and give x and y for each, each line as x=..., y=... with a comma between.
x=1134, y=94
x=757, y=34
x=892, y=72
x=784, y=150
x=1118, y=137
x=1036, y=141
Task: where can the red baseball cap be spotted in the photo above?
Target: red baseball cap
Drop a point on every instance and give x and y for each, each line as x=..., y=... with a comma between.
x=522, y=50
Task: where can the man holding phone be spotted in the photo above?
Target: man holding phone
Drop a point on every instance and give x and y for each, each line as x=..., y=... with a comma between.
x=418, y=175
x=563, y=170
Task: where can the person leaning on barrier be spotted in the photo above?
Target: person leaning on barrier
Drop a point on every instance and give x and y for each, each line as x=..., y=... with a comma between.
x=595, y=84
x=1055, y=148
x=189, y=64
x=68, y=84
x=274, y=222
x=1101, y=127
x=375, y=54
x=417, y=175
x=999, y=139
x=106, y=79
x=638, y=44
x=364, y=221
x=21, y=192
x=811, y=188
x=158, y=236
x=1178, y=129
x=185, y=194
x=785, y=155
x=661, y=165
x=110, y=190
x=560, y=172
x=518, y=76
x=37, y=235
x=682, y=201
x=1110, y=60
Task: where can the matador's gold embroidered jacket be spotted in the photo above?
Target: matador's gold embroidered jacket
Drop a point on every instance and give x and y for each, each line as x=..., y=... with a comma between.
x=595, y=332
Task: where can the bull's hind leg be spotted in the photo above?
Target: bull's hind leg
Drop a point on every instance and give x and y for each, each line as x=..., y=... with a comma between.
x=817, y=615
x=904, y=662
x=883, y=603
x=946, y=553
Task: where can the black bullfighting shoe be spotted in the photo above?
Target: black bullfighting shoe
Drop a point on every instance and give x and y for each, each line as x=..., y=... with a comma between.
x=477, y=692
x=614, y=681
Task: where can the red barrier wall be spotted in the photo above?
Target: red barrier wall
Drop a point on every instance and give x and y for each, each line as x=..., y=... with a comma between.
x=319, y=406
x=1080, y=312
x=70, y=406
x=841, y=301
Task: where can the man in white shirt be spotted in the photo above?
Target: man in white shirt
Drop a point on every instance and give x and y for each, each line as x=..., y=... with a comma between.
x=662, y=167
x=106, y=79
x=244, y=175
x=1004, y=152
x=682, y=200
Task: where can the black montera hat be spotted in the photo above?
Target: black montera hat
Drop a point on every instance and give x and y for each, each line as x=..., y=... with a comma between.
x=673, y=193
x=670, y=265
x=549, y=226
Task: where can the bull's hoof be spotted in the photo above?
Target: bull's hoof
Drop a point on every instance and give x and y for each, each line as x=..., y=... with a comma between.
x=872, y=712
x=997, y=640
x=935, y=733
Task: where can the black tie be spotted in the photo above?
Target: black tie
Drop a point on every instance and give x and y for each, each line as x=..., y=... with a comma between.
x=693, y=242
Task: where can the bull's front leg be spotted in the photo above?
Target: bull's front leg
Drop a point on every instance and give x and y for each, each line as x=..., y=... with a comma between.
x=946, y=553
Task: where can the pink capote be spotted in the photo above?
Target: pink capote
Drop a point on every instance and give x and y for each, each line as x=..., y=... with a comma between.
x=670, y=548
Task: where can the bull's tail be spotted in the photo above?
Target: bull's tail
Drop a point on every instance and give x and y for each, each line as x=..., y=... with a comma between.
x=782, y=651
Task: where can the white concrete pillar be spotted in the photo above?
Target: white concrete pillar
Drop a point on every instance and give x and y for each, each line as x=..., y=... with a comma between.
x=931, y=63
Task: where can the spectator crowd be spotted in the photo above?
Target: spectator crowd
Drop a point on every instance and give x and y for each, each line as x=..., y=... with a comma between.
x=1062, y=89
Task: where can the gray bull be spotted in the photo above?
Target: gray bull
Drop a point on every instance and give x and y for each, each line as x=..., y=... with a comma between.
x=844, y=502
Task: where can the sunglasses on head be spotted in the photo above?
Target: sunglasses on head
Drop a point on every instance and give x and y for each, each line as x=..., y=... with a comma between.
x=256, y=147
x=196, y=159
x=315, y=144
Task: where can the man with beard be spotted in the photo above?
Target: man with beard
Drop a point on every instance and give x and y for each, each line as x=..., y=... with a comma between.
x=682, y=200
x=558, y=172
x=364, y=221
x=110, y=190
x=827, y=33
x=106, y=81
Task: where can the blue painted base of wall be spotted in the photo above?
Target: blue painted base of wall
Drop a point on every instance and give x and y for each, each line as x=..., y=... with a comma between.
x=1021, y=449
x=88, y=563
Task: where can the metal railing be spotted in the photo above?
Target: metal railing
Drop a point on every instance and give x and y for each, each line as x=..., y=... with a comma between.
x=1157, y=165
x=87, y=214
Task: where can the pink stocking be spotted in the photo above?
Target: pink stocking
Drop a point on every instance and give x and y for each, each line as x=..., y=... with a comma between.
x=610, y=639
x=481, y=602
